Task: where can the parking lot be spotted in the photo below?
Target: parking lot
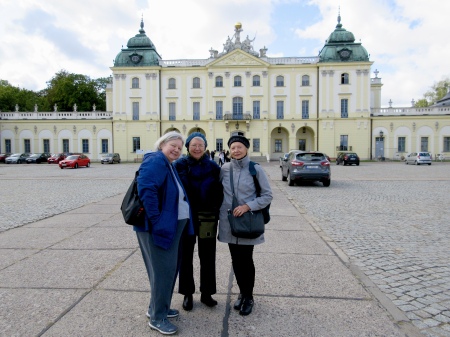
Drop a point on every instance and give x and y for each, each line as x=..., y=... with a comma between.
x=390, y=219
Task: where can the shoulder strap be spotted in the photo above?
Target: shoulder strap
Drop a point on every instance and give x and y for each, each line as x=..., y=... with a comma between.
x=252, y=170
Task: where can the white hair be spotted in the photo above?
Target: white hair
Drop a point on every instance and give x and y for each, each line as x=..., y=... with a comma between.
x=167, y=138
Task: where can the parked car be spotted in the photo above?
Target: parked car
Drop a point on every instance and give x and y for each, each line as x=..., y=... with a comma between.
x=16, y=158
x=347, y=158
x=57, y=157
x=75, y=161
x=38, y=158
x=3, y=157
x=110, y=158
x=283, y=157
x=306, y=166
x=418, y=158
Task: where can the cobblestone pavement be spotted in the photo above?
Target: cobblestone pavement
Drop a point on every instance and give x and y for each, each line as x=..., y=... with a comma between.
x=390, y=219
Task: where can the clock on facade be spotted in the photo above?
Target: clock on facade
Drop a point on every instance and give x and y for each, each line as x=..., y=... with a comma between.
x=135, y=58
x=345, y=54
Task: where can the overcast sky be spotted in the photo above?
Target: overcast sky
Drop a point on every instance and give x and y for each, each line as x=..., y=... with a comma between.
x=406, y=39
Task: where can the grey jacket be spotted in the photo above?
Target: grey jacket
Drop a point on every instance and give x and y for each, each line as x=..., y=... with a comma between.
x=245, y=191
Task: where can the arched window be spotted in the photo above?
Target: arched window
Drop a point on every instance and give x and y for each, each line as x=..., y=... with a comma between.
x=305, y=80
x=135, y=83
x=172, y=83
x=219, y=81
x=237, y=81
x=280, y=81
x=256, y=81
x=238, y=108
x=344, y=78
x=196, y=83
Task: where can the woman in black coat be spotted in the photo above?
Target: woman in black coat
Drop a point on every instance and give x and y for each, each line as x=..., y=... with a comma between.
x=200, y=177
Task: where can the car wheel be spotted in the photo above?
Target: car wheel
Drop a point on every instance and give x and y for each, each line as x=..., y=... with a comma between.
x=417, y=163
x=357, y=164
x=88, y=164
x=429, y=164
x=290, y=181
x=326, y=183
x=337, y=163
x=345, y=163
x=62, y=167
x=75, y=166
x=102, y=163
x=406, y=162
x=283, y=178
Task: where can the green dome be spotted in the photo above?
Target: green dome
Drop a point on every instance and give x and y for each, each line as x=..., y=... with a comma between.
x=140, y=52
x=341, y=47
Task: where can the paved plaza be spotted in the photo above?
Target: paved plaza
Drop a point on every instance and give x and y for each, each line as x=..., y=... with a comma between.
x=387, y=223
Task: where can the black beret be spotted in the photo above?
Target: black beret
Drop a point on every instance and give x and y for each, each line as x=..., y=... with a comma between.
x=240, y=139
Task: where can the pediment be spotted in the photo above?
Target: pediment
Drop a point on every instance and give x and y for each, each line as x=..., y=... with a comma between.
x=238, y=58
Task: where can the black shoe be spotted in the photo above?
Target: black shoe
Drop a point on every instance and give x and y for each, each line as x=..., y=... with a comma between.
x=247, y=306
x=238, y=303
x=187, y=303
x=208, y=300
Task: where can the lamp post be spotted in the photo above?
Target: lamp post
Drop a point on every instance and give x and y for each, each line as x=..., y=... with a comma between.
x=381, y=134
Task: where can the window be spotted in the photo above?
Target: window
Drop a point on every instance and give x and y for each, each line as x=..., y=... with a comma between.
x=280, y=81
x=219, y=110
x=305, y=80
x=196, y=110
x=65, y=145
x=219, y=81
x=344, y=108
x=237, y=81
x=343, y=145
x=278, y=145
x=280, y=110
x=446, y=144
x=302, y=144
x=424, y=144
x=219, y=144
x=237, y=108
x=344, y=78
x=196, y=83
x=256, y=81
x=105, y=147
x=135, y=83
x=85, y=145
x=401, y=144
x=8, y=145
x=256, y=110
x=135, y=111
x=27, y=145
x=136, y=143
x=172, y=113
x=172, y=83
x=46, y=145
x=305, y=109
x=255, y=144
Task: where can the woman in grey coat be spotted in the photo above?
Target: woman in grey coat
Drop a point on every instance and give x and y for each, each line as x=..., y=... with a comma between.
x=244, y=187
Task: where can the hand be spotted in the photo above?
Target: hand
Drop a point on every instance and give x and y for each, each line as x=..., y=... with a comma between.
x=238, y=211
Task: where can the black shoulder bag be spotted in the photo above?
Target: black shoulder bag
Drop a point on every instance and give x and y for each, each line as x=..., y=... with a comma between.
x=132, y=209
x=249, y=225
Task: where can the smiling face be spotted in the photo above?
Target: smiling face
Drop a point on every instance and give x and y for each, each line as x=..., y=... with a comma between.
x=238, y=150
x=172, y=149
x=196, y=148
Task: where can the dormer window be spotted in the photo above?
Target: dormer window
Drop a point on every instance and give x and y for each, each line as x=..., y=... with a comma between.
x=344, y=78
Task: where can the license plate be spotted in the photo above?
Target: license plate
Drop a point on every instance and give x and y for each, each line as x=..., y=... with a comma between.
x=352, y=158
x=310, y=167
x=63, y=164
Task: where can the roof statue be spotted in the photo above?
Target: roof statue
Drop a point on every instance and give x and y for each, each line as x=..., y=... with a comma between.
x=235, y=42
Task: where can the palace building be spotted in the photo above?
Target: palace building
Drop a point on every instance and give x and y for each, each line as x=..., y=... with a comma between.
x=329, y=103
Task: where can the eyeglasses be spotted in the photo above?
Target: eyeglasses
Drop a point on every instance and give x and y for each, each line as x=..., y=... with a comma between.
x=199, y=146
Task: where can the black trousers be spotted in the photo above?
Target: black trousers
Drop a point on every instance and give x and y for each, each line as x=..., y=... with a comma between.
x=243, y=267
x=207, y=256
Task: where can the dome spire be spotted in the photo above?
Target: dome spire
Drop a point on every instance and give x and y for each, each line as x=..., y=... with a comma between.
x=339, y=25
x=142, y=31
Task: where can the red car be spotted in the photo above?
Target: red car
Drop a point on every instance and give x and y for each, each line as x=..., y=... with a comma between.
x=75, y=161
x=56, y=158
x=3, y=157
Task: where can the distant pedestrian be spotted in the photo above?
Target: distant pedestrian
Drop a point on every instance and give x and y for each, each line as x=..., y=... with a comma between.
x=221, y=158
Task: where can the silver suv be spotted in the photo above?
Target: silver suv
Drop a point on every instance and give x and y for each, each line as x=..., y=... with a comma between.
x=110, y=158
x=418, y=158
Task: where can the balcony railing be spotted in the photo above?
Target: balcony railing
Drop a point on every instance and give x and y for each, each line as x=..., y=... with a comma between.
x=237, y=117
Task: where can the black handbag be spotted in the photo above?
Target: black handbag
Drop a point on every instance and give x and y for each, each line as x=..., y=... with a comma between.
x=132, y=209
x=249, y=225
x=266, y=210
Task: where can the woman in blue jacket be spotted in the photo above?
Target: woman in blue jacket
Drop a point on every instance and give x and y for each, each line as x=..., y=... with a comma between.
x=167, y=217
x=201, y=179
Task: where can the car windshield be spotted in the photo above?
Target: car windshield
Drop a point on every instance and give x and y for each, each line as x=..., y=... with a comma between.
x=34, y=155
x=108, y=155
x=424, y=154
x=310, y=156
x=72, y=157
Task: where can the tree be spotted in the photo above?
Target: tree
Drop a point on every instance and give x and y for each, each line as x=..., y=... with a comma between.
x=438, y=91
x=66, y=89
x=11, y=95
